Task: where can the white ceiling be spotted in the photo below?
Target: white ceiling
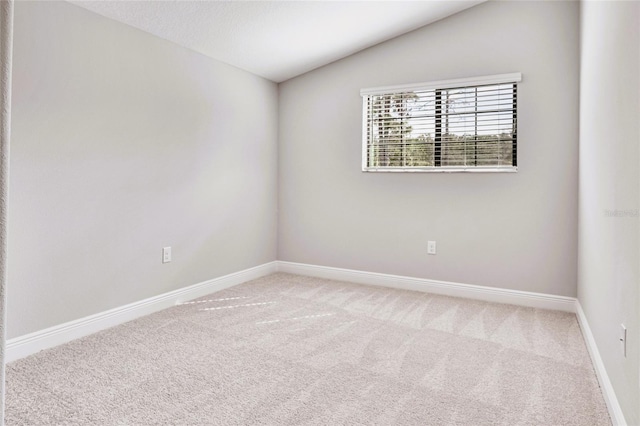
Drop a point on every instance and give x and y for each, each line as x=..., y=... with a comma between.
x=277, y=40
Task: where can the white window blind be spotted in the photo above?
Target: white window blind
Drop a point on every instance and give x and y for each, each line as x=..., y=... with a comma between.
x=453, y=125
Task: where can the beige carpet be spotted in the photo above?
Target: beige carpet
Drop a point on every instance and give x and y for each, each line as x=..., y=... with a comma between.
x=289, y=350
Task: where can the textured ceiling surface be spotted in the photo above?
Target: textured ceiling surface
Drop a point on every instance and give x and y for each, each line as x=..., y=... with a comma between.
x=277, y=40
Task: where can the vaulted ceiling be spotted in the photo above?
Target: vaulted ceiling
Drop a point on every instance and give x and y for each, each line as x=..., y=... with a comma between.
x=277, y=40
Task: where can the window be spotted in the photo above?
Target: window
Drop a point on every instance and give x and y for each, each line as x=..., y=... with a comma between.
x=454, y=125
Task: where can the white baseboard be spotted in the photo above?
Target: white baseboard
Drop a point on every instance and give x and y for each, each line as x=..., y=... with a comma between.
x=489, y=294
x=615, y=411
x=31, y=343
x=23, y=346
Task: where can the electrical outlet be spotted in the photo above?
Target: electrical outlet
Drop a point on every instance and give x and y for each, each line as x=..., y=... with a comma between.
x=166, y=254
x=431, y=247
x=623, y=339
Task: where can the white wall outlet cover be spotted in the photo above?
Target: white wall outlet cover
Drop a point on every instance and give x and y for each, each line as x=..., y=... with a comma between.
x=431, y=247
x=166, y=254
x=623, y=339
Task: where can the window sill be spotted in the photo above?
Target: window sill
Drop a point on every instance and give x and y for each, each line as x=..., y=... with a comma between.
x=508, y=169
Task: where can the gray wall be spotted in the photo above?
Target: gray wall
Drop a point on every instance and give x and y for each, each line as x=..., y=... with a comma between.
x=514, y=231
x=124, y=143
x=609, y=252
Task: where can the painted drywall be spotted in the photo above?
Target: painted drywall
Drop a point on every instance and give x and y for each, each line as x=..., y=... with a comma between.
x=609, y=194
x=514, y=231
x=122, y=144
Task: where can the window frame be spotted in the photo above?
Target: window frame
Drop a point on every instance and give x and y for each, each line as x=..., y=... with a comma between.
x=511, y=78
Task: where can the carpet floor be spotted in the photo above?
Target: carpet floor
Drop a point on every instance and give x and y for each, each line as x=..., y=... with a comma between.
x=293, y=350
